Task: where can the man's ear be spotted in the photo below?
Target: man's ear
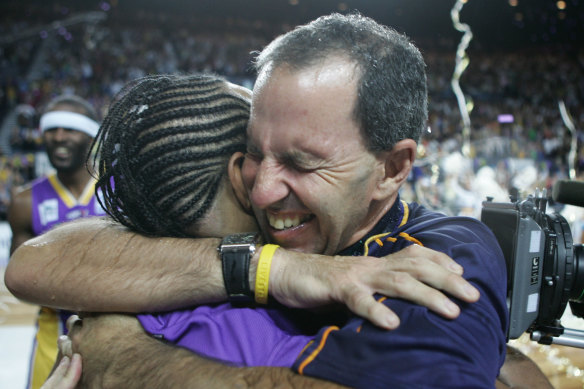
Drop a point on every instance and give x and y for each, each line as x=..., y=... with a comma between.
x=396, y=165
x=234, y=172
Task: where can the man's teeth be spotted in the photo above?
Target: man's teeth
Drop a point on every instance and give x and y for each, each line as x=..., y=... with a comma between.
x=282, y=223
x=61, y=151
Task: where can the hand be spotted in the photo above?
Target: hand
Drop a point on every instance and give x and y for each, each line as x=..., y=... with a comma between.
x=66, y=375
x=416, y=273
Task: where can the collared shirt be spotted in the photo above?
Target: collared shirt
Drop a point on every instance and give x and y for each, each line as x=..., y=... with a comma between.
x=426, y=350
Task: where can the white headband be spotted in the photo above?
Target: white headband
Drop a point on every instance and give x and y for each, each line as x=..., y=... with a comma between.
x=67, y=119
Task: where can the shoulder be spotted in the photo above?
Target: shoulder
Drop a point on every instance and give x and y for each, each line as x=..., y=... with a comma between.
x=20, y=209
x=439, y=228
x=21, y=197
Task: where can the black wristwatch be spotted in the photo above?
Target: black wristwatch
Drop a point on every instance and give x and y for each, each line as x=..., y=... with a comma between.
x=236, y=251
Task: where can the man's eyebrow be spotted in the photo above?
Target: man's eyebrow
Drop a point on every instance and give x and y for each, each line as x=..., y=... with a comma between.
x=296, y=157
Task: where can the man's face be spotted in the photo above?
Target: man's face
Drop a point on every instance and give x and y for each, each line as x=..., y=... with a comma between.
x=67, y=149
x=310, y=178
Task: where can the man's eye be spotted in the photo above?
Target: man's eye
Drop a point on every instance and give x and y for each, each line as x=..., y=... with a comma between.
x=299, y=167
x=252, y=156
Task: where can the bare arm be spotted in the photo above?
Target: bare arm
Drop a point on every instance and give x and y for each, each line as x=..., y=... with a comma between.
x=114, y=346
x=95, y=264
x=117, y=353
x=20, y=217
x=99, y=266
x=520, y=372
x=66, y=373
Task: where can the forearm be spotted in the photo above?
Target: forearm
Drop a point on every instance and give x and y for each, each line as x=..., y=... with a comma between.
x=96, y=265
x=520, y=372
x=118, y=353
x=178, y=368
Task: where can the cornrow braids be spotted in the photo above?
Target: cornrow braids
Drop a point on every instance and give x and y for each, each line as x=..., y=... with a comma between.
x=163, y=148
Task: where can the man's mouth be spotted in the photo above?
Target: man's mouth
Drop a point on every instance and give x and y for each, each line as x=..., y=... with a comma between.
x=285, y=222
x=61, y=152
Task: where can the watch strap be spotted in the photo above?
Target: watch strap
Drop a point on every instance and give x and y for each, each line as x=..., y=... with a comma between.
x=236, y=276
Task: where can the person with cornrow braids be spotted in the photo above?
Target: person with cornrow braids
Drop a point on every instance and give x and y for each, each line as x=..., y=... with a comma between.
x=163, y=152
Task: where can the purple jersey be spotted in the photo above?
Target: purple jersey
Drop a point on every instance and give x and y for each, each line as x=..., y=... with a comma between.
x=53, y=204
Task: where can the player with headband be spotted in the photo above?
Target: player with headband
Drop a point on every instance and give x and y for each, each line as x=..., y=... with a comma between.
x=68, y=125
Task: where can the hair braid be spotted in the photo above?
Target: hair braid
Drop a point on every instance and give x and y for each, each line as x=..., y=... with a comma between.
x=163, y=150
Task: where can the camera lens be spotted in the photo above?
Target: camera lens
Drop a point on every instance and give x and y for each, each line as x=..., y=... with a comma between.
x=577, y=290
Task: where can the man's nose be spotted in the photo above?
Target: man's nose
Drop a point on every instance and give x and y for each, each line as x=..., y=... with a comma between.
x=59, y=134
x=270, y=185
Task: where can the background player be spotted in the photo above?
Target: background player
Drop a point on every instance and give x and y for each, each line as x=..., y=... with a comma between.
x=68, y=125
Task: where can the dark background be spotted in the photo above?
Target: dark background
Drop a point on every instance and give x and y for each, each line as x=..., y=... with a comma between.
x=496, y=24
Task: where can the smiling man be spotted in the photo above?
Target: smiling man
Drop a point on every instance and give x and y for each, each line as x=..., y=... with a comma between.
x=337, y=109
x=314, y=184
x=68, y=126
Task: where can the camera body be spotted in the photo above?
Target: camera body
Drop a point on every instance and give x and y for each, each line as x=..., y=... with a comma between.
x=544, y=268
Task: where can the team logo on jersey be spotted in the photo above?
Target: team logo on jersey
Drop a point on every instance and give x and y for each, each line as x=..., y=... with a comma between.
x=75, y=214
x=49, y=211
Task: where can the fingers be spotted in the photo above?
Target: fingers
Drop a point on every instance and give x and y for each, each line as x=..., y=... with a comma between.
x=435, y=269
x=419, y=275
x=74, y=372
x=408, y=288
x=65, y=346
x=72, y=321
x=66, y=375
x=442, y=279
x=426, y=283
x=417, y=251
x=367, y=307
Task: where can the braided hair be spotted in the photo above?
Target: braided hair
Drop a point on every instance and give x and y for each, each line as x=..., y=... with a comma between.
x=163, y=149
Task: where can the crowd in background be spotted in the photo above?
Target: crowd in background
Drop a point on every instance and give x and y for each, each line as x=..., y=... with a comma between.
x=517, y=139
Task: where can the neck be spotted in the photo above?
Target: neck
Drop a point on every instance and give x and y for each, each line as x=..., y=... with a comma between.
x=225, y=217
x=376, y=213
x=75, y=181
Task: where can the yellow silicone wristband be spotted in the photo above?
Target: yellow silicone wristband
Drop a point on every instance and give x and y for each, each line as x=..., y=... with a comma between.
x=263, y=273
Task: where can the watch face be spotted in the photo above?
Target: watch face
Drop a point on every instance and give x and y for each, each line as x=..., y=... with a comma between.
x=240, y=239
x=247, y=240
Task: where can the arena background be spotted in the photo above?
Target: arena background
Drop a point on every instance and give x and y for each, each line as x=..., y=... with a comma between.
x=525, y=59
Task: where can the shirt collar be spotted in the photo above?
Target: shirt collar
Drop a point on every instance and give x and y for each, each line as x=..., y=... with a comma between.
x=387, y=223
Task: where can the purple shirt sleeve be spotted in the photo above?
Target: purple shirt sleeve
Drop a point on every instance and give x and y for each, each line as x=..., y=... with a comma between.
x=238, y=336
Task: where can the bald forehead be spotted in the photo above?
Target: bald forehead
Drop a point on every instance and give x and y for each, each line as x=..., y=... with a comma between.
x=319, y=67
x=338, y=75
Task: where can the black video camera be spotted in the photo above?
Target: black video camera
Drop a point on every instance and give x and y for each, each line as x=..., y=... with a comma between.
x=545, y=270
